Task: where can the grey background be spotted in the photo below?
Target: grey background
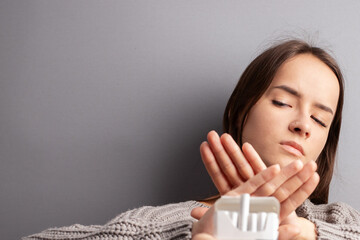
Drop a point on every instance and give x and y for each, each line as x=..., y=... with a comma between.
x=103, y=104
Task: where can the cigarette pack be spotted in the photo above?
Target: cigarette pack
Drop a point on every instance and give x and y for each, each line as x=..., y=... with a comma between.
x=246, y=218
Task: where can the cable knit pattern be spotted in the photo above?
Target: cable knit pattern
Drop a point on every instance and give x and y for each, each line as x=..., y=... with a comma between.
x=171, y=221
x=336, y=221
x=333, y=221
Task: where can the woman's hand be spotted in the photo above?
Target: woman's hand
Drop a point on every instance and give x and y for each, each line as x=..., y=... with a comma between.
x=292, y=186
x=267, y=182
x=226, y=164
x=229, y=168
x=206, y=216
x=203, y=236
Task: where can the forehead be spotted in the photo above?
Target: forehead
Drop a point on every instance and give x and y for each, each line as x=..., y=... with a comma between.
x=310, y=77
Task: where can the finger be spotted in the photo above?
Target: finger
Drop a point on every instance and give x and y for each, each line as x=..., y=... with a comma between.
x=257, y=181
x=205, y=223
x=298, y=197
x=203, y=236
x=287, y=172
x=295, y=182
x=253, y=158
x=198, y=212
x=223, y=159
x=213, y=169
x=233, y=150
x=287, y=232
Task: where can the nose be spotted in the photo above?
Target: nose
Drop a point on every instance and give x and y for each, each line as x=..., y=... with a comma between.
x=301, y=127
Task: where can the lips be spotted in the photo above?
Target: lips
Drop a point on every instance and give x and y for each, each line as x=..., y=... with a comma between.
x=293, y=148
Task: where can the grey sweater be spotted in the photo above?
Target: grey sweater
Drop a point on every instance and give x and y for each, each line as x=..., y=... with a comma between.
x=173, y=221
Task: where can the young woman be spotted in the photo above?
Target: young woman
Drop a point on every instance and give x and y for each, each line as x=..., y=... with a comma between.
x=285, y=112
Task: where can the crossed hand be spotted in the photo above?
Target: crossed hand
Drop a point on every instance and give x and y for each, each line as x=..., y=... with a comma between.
x=235, y=171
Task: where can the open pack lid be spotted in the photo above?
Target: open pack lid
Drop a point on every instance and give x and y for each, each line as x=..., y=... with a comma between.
x=257, y=204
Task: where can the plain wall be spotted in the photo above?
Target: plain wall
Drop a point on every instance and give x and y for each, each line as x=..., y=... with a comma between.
x=103, y=104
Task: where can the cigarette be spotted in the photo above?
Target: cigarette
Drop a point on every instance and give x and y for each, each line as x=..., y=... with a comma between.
x=234, y=218
x=244, y=212
x=252, y=222
x=261, y=221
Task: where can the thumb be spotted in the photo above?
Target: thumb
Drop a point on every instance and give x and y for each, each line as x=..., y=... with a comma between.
x=203, y=236
x=198, y=212
x=288, y=231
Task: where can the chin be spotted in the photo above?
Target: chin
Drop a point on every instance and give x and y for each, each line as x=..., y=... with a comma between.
x=282, y=161
x=285, y=162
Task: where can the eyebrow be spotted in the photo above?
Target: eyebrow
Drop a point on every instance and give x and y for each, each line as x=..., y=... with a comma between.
x=297, y=94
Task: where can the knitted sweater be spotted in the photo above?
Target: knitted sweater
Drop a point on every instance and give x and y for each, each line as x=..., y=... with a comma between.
x=173, y=221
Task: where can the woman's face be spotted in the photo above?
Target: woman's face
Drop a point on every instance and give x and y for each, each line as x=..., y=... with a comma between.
x=292, y=119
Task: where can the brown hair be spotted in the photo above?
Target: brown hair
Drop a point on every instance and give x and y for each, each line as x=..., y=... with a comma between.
x=254, y=82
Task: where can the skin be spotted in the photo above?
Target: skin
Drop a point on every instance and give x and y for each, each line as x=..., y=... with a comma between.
x=294, y=118
x=296, y=108
x=270, y=179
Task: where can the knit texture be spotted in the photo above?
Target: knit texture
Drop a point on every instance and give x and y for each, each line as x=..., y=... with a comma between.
x=171, y=221
x=336, y=221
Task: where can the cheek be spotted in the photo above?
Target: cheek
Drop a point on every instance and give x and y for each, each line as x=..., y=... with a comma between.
x=257, y=126
x=318, y=145
x=250, y=128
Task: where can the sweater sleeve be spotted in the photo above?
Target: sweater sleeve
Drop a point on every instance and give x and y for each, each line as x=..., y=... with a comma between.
x=335, y=221
x=171, y=221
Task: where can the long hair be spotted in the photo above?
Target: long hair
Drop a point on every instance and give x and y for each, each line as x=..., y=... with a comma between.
x=254, y=82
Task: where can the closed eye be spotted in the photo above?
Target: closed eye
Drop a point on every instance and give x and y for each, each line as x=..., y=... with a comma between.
x=318, y=121
x=280, y=104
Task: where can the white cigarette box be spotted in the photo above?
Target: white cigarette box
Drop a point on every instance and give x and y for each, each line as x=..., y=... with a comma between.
x=266, y=210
